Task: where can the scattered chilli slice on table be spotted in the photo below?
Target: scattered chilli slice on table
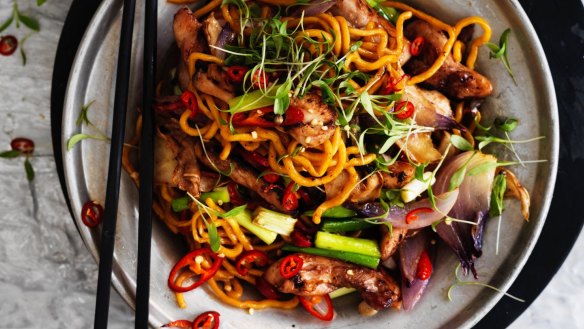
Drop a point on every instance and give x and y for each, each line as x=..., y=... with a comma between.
x=312, y=153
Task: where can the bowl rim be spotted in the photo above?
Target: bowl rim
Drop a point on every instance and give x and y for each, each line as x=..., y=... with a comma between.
x=120, y=279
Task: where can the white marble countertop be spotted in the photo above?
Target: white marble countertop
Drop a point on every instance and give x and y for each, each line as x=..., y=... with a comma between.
x=47, y=277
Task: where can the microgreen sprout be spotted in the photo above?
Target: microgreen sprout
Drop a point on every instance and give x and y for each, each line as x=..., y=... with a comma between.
x=460, y=143
x=486, y=140
x=83, y=119
x=269, y=172
x=458, y=176
x=300, y=63
x=459, y=282
x=231, y=165
x=214, y=240
x=233, y=212
x=504, y=125
x=377, y=222
x=490, y=165
x=496, y=206
x=500, y=51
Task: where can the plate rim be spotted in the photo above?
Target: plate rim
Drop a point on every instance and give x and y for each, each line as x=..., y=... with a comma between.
x=550, y=96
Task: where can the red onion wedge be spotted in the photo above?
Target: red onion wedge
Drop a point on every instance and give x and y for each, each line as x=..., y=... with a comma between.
x=472, y=204
x=226, y=37
x=412, y=292
x=444, y=202
x=409, y=255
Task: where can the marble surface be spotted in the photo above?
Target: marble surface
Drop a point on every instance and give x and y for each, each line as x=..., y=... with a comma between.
x=47, y=277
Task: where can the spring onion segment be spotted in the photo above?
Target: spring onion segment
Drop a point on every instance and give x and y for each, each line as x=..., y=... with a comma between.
x=331, y=241
x=345, y=225
x=335, y=212
x=341, y=292
x=416, y=187
x=351, y=257
x=180, y=204
x=274, y=221
x=244, y=219
x=219, y=195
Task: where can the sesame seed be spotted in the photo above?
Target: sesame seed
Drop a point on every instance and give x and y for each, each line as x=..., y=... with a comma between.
x=310, y=111
x=199, y=259
x=347, y=128
x=279, y=119
x=260, y=112
x=308, y=140
x=227, y=288
x=222, y=255
x=250, y=311
x=350, y=272
x=302, y=149
x=220, y=202
x=314, y=122
x=254, y=134
x=325, y=128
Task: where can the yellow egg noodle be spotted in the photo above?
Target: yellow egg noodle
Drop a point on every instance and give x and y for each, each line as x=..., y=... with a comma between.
x=378, y=56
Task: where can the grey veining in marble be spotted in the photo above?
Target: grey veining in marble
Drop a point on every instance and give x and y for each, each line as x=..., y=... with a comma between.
x=47, y=277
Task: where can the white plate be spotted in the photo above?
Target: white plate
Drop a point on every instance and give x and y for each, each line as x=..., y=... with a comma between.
x=532, y=100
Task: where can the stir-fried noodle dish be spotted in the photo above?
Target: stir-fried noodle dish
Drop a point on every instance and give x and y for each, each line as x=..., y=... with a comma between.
x=306, y=150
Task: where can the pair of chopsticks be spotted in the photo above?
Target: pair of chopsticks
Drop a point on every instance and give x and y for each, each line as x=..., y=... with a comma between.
x=115, y=161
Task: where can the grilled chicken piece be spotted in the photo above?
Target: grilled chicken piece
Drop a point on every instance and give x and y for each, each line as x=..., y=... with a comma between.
x=183, y=75
x=452, y=79
x=192, y=36
x=367, y=190
x=400, y=173
x=420, y=148
x=213, y=83
x=318, y=125
x=241, y=173
x=321, y=275
x=187, y=33
x=432, y=108
x=164, y=161
x=358, y=13
x=208, y=181
x=175, y=148
x=390, y=242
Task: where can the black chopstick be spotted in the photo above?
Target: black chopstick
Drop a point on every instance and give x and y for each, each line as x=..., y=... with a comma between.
x=115, y=169
x=146, y=167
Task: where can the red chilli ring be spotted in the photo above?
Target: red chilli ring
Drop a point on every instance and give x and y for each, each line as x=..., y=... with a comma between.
x=23, y=145
x=8, y=45
x=91, y=213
